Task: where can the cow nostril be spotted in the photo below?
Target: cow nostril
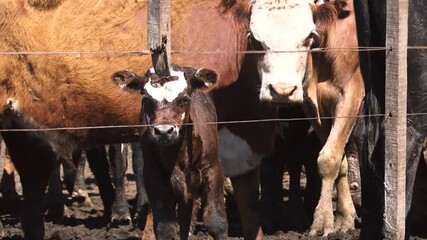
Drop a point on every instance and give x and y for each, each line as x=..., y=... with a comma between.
x=283, y=89
x=170, y=130
x=157, y=131
x=163, y=130
x=293, y=91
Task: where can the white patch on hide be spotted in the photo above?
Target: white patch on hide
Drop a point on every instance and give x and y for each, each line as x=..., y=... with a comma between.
x=166, y=127
x=170, y=90
x=282, y=26
x=235, y=154
x=13, y=103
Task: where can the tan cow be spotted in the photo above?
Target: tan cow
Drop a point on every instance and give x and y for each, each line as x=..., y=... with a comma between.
x=327, y=84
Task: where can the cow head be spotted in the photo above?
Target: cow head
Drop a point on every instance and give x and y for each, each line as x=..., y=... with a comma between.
x=288, y=25
x=166, y=100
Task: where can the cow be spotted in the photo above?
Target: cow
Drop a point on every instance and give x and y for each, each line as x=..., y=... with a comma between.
x=40, y=91
x=371, y=32
x=181, y=160
x=327, y=84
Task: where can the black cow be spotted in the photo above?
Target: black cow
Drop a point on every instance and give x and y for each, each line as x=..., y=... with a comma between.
x=371, y=27
x=181, y=161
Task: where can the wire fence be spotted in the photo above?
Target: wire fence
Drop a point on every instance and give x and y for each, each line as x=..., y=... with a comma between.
x=203, y=123
x=148, y=52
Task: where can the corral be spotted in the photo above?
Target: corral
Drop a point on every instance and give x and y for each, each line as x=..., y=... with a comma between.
x=394, y=114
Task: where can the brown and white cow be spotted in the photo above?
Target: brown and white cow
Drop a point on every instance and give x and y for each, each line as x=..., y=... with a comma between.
x=327, y=84
x=74, y=90
x=180, y=148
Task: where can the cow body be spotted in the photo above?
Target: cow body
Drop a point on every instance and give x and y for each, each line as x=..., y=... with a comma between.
x=181, y=160
x=73, y=90
x=371, y=28
x=327, y=84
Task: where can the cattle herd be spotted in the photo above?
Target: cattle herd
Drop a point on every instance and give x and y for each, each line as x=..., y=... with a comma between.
x=72, y=82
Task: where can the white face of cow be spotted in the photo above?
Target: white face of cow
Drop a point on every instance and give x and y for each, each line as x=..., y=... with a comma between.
x=169, y=91
x=165, y=105
x=282, y=25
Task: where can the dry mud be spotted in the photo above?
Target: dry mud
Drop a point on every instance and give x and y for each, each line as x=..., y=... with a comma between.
x=88, y=223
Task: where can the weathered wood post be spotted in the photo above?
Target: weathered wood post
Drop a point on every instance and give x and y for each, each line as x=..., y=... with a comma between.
x=159, y=36
x=395, y=126
x=158, y=42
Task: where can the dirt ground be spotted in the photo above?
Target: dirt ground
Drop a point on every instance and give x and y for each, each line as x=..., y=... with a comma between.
x=89, y=223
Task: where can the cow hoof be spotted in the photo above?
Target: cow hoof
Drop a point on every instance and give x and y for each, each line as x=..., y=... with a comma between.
x=81, y=197
x=120, y=220
x=343, y=223
x=323, y=224
x=139, y=219
x=10, y=195
x=55, y=212
x=320, y=232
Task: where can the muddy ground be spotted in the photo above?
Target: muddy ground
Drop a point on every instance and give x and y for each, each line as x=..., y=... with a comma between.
x=89, y=223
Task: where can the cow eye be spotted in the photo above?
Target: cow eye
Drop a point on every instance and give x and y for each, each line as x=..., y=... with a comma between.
x=312, y=40
x=183, y=101
x=146, y=98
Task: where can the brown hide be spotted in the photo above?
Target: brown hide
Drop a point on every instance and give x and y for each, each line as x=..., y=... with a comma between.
x=336, y=72
x=69, y=90
x=44, y=4
x=335, y=88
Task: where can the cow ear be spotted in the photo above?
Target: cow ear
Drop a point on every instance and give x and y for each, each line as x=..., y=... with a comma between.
x=205, y=79
x=128, y=80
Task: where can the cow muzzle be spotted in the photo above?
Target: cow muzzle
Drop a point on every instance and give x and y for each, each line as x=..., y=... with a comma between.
x=165, y=133
x=284, y=93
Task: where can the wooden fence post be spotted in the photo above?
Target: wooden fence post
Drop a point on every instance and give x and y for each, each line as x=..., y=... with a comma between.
x=395, y=126
x=159, y=36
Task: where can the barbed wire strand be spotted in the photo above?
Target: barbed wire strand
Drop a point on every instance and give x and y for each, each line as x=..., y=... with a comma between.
x=148, y=52
x=203, y=123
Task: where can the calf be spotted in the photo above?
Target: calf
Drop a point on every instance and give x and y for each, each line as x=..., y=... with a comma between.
x=180, y=148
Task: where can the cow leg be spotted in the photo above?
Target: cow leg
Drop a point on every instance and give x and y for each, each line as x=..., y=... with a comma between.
x=164, y=218
x=214, y=215
x=331, y=157
x=141, y=207
x=354, y=173
x=296, y=152
x=298, y=217
x=185, y=210
x=118, y=159
x=323, y=219
x=271, y=180
x=98, y=164
x=75, y=181
x=345, y=208
x=7, y=184
x=329, y=163
x=55, y=202
x=160, y=195
x=34, y=165
x=246, y=193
